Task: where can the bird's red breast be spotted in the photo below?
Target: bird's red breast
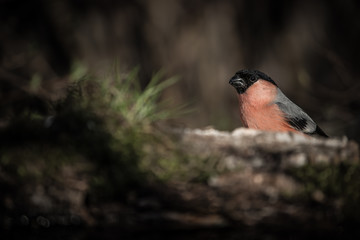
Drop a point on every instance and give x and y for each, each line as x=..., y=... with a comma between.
x=258, y=110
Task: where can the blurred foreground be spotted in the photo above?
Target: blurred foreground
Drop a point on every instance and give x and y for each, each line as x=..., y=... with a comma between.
x=105, y=163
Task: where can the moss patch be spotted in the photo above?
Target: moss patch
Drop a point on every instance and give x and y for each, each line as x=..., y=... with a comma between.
x=340, y=185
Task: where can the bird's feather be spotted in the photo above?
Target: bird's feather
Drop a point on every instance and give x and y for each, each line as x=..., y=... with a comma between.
x=296, y=117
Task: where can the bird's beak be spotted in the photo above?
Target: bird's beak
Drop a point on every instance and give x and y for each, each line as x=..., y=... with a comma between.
x=238, y=83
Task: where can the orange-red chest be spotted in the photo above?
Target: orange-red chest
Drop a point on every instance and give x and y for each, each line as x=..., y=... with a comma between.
x=258, y=110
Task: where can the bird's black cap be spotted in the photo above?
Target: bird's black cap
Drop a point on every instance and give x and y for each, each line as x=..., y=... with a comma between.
x=243, y=79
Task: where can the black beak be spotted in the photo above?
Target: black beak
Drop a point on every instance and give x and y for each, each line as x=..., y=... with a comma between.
x=238, y=83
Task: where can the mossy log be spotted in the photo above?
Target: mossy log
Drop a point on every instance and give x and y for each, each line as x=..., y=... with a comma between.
x=262, y=180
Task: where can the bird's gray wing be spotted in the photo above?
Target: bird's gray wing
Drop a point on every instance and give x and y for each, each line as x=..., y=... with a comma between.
x=295, y=116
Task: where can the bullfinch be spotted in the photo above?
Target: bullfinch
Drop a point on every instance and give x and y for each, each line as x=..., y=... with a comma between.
x=264, y=106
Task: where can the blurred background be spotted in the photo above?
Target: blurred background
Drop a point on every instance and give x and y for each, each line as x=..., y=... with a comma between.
x=68, y=144
x=310, y=48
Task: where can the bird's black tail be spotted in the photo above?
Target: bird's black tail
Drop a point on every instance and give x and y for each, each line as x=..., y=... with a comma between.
x=318, y=131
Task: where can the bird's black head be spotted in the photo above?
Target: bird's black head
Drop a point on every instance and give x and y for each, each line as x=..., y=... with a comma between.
x=243, y=79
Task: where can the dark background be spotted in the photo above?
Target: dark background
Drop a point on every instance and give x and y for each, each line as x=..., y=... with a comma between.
x=309, y=47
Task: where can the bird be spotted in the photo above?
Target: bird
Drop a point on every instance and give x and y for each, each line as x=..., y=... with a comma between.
x=264, y=106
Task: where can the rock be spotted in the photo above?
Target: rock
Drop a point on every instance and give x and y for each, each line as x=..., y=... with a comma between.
x=271, y=150
x=257, y=187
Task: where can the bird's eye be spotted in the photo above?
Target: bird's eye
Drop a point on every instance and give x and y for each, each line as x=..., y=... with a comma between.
x=252, y=78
